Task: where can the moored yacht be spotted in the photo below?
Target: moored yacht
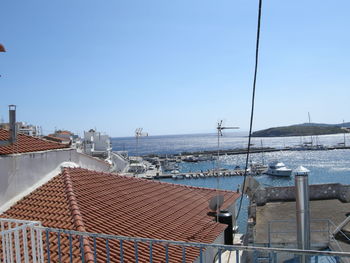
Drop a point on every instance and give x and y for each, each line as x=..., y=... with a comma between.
x=278, y=169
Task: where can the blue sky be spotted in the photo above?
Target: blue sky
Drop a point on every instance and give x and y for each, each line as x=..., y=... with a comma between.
x=173, y=67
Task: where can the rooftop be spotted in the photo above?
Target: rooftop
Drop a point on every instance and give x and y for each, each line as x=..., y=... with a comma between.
x=26, y=143
x=85, y=200
x=52, y=137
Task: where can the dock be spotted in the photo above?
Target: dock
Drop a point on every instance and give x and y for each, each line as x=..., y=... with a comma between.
x=207, y=174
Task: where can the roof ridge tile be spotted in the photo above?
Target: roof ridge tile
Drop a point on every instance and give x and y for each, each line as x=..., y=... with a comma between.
x=76, y=214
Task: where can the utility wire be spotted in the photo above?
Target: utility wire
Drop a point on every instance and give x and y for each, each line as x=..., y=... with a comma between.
x=252, y=109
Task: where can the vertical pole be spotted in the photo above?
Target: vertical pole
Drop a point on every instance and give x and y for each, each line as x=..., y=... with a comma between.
x=12, y=122
x=302, y=211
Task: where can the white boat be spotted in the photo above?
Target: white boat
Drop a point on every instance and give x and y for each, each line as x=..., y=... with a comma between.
x=257, y=168
x=278, y=169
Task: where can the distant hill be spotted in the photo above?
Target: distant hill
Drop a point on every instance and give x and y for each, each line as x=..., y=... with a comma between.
x=345, y=124
x=304, y=129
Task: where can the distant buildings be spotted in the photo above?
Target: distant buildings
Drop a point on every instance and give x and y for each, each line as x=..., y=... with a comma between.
x=97, y=144
x=24, y=128
x=65, y=137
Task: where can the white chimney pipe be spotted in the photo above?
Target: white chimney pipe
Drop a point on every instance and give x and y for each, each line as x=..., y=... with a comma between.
x=302, y=210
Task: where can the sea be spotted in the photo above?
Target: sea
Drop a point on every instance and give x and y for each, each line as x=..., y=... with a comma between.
x=326, y=166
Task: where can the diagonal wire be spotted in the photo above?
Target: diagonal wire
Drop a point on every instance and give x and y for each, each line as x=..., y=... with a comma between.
x=252, y=108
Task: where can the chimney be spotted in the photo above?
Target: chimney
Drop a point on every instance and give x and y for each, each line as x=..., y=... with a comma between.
x=302, y=210
x=12, y=123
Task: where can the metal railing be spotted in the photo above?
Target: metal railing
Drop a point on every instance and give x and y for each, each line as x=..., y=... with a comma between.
x=23, y=241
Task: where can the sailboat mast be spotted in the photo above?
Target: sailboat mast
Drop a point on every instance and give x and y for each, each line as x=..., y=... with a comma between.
x=310, y=126
x=262, y=152
x=344, y=134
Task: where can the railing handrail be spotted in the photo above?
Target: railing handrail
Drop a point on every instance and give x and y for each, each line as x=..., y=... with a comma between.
x=195, y=244
x=36, y=226
x=11, y=220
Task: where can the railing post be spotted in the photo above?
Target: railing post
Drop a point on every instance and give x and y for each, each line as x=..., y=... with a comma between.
x=39, y=245
x=10, y=242
x=121, y=251
x=3, y=241
x=59, y=246
x=166, y=253
x=70, y=248
x=275, y=257
x=25, y=245
x=150, y=252
x=82, y=252
x=108, y=252
x=95, y=252
x=48, y=246
x=136, y=252
x=184, y=254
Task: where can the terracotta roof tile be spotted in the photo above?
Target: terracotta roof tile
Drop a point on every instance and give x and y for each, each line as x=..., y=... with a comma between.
x=52, y=137
x=84, y=200
x=26, y=143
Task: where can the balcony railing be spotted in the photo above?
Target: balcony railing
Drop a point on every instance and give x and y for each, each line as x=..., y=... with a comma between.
x=21, y=241
x=27, y=241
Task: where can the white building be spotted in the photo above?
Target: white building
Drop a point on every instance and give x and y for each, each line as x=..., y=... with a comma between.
x=97, y=144
x=23, y=127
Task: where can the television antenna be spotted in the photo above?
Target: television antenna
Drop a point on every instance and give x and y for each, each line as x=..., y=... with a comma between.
x=138, y=134
x=219, y=129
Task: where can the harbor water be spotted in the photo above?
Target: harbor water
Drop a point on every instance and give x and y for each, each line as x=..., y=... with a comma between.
x=326, y=166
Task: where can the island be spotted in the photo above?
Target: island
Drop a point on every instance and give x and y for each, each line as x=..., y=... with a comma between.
x=302, y=130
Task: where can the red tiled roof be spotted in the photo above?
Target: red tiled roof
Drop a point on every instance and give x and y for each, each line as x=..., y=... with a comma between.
x=51, y=137
x=64, y=132
x=26, y=143
x=84, y=200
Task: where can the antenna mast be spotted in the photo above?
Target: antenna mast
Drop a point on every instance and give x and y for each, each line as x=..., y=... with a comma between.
x=219, y=129
x=138, y=134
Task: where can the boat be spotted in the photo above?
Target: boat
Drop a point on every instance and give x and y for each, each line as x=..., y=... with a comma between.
x=178, y=176
x=257, y=168
x=278, y=169
x=191, y=159
x=169, y=166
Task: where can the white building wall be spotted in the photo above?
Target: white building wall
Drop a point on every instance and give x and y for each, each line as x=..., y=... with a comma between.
x=21, y=172
x=120, y=163
x=101, y=142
